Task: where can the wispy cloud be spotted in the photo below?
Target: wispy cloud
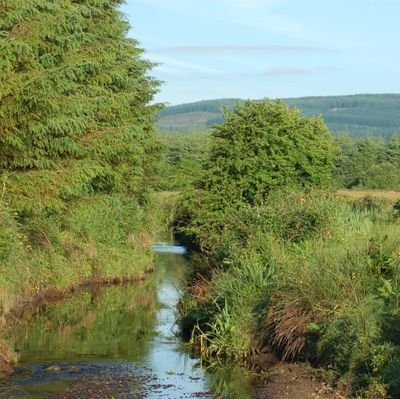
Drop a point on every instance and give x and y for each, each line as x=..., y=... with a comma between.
x=224, y=49
x=183, y=65
x=289, y=70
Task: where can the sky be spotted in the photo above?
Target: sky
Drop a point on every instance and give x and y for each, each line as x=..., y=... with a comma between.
x=254, y=49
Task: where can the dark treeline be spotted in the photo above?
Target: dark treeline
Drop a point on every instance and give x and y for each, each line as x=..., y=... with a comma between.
x=368, y=162
x=359, y=115
x=200, y=106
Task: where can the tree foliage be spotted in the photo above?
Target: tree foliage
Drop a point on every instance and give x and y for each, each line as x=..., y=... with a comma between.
x=74, y=100
x=260, y=147
x=181, y=160
x=369, y=162
x=265, y=145
x=77, y=146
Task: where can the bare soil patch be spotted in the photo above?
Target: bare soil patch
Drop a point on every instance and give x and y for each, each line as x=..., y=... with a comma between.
x=296, y=381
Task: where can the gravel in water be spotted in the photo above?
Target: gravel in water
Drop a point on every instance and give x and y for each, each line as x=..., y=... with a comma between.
x=102, y=380
x=125, y=387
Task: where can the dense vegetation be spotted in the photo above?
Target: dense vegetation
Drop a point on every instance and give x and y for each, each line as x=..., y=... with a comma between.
x=359, y=115
x=361, y=163
x=77, y=146
x=368, y=162
x=287, y=266
x=181, y=158
x=281, y=148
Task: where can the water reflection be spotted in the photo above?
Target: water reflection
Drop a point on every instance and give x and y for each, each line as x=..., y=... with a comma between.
x=230, y=381
x=118, y=342
x=112, y=323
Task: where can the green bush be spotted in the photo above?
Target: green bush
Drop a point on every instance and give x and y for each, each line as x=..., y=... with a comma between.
x=260, y=147
x=226, y=318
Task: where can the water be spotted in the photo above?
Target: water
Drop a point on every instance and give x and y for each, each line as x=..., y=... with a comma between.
x=165, y=247
x=117, y=342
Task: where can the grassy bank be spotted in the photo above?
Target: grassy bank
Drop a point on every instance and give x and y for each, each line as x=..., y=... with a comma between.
x=313, y=277
x=95, y=238
x=77, y=147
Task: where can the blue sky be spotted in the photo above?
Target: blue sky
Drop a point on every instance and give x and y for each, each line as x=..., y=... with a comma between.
x=268, y=48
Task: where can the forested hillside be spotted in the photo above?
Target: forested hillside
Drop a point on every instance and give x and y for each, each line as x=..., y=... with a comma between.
x=359, y=115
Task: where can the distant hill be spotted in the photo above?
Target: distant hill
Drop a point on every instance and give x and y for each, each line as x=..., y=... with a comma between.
x=359, y=115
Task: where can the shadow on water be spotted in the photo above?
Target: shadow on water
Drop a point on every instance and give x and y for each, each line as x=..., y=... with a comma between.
x=117, y=342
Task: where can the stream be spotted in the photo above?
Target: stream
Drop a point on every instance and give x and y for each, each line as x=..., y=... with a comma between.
x=117, y=342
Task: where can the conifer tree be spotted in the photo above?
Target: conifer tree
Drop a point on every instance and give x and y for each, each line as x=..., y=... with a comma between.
x=74, y=100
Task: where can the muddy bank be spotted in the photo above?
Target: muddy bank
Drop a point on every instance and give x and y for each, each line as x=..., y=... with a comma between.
x=296, y=380
x=54, y=294
x=276, y=379
x=6, y=361
x=107, y=380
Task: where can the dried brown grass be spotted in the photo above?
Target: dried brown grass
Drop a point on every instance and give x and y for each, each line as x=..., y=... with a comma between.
x=392, y=196
x=287, y=323
x=141, y=240
x=91, y=249
x=200, y=288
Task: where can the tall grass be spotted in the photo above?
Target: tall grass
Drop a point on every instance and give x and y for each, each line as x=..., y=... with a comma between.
x=95, y=237
x=311, y=276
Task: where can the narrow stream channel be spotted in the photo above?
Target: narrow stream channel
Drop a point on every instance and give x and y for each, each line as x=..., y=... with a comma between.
x=117, y=342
